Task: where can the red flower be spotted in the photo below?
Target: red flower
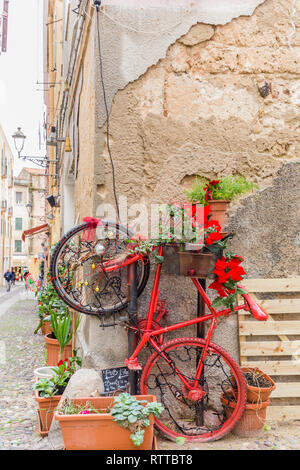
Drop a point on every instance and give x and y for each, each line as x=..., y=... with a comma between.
x=214, y=182
x=213, y=237
x=236, y=273
x=234, y=262
x=219, y=288
x=221, y=264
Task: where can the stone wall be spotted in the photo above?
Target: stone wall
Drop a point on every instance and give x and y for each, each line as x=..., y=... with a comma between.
x=199, y=110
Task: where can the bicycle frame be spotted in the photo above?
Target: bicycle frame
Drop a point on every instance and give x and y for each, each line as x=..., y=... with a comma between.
x=149, y=334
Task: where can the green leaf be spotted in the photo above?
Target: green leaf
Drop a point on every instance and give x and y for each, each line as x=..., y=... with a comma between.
x=180, y=440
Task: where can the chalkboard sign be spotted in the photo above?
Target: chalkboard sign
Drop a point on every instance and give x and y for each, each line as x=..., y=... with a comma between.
x=116, y=379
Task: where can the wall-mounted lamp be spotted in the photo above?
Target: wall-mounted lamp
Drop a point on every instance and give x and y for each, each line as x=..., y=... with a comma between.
x=52, y=137
x=29, y=208
x=53, y=200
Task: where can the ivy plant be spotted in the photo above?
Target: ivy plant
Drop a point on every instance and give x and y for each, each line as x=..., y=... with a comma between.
x=133, y=414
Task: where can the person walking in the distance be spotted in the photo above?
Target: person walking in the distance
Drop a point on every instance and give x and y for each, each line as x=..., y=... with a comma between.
x=8, y=280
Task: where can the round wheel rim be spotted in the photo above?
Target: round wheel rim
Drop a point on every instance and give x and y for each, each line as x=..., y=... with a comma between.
x=241, y=396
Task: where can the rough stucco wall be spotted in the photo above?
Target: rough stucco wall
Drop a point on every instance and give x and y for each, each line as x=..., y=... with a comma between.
x=84, y=196
x=137, y=33
x=198, y=112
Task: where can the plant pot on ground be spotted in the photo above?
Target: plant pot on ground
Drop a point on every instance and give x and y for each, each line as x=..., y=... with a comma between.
x=54, y=352
x=108, y=423
x=253, y=419
x=48, y=391
x=259, y=385
x=59, y=343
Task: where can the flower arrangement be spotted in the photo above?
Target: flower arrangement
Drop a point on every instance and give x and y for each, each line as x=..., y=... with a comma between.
x=227, y=188
x=191, y=224
x=228, y=273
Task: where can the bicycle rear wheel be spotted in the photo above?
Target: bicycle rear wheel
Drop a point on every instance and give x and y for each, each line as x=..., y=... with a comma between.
x=78, y=273
x=204, y=420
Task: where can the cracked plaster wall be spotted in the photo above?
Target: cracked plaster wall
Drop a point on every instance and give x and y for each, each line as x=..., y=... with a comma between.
x=188, y=104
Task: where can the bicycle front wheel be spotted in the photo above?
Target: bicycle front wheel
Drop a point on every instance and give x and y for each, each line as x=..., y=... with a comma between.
x=78, y=269
x=208, y=419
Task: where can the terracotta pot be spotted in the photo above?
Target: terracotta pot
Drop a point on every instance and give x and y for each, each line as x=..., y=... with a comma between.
x=218, y=210
x=99, y=431
x=252, y=421
x=258, y=394
x=53, y=350
x=45, y=411
x=46, y=328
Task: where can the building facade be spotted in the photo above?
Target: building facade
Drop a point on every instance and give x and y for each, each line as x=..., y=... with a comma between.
x=29, y=226
x=183, y=94
x=6, y=205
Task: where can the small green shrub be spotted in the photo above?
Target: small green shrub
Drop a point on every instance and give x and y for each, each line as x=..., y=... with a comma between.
x=228, y=188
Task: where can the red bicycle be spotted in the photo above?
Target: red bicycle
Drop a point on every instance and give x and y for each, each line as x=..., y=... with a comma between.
x=195, y=379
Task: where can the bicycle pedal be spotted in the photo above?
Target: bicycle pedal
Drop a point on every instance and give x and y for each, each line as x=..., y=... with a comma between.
x=132, y=364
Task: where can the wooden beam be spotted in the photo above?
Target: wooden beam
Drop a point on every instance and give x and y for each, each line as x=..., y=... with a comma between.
x=272, y=285
x=286, y=390
x=277, y=306
x=269, y=348
x=276, y=367
x=270, y=328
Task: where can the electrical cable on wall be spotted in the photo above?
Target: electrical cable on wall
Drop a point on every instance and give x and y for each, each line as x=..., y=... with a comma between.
x=97, y=4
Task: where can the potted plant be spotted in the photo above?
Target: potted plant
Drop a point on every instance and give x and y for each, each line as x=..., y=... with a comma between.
x=48, y=301
x=124, y=422
x=219, y=193
x=48, y=391
x=259, y=388
x=58, y=342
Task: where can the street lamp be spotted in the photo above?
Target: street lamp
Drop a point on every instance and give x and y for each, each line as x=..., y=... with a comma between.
x=19, y=140
x=29, y=208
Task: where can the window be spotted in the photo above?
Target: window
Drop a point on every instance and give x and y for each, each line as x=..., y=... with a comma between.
x=19, y=198
x=18, y=246
x=18, y=223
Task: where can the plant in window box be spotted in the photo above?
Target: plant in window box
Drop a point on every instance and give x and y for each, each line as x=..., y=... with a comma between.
x=124, y=422
x=219, y=193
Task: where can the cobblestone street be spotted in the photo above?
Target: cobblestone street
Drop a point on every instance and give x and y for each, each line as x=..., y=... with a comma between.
x=24, y=351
